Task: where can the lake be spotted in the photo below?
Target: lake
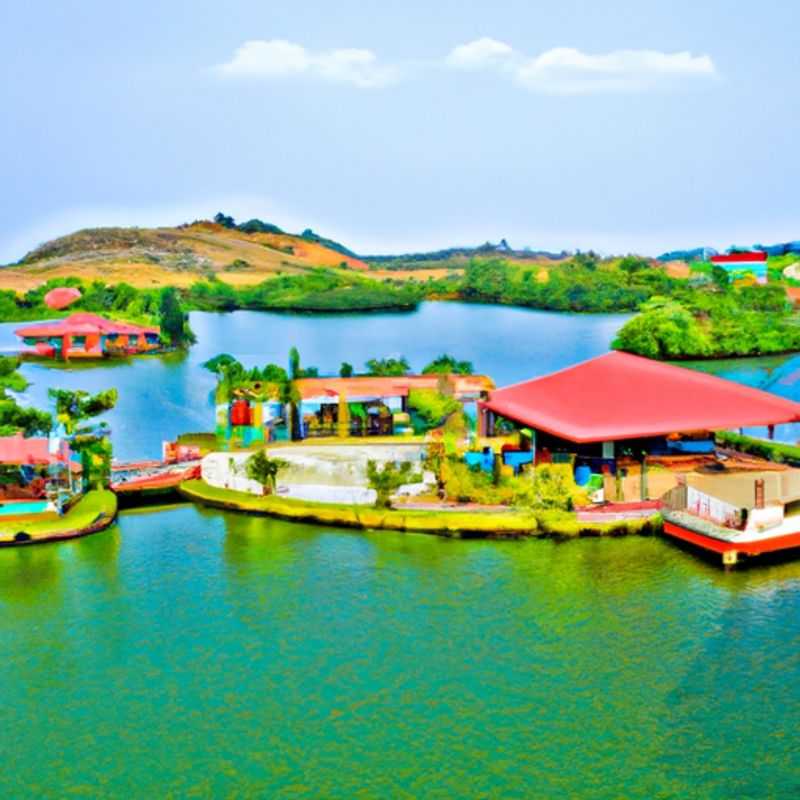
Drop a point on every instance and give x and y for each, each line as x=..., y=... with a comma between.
x=162, y=396
x=191, y=652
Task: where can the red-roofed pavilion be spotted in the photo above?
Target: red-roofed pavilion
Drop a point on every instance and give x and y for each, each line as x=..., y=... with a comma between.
x=619, y=397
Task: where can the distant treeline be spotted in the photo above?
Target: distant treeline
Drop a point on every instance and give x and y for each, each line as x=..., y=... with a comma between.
x=320, y=290
x=439, y=258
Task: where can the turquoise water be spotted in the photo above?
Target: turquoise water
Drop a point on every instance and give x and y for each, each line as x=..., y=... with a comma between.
x=187, y=652
x=194, y=653
x=23, y=507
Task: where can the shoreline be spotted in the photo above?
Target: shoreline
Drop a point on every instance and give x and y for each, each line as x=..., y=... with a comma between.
x=94, y=512
x=511, y=524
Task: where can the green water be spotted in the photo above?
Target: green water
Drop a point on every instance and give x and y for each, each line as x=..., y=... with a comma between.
x=188, y=652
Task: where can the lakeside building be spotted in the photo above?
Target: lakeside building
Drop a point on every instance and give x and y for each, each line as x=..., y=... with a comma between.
x=618, y=410
x=743, y=265
x=37, y=475
x=85, y=335
x=355, y=406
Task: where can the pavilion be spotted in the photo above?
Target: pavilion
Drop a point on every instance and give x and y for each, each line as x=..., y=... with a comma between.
x=622, y=404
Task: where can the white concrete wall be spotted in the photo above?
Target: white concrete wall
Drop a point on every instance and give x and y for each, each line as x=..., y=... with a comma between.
x=227, y=471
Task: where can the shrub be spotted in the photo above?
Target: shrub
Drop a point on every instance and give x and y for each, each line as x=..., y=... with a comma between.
x=433, y=407
x=388, y=479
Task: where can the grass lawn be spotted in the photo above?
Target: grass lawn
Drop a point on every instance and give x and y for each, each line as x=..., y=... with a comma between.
x=82, y=515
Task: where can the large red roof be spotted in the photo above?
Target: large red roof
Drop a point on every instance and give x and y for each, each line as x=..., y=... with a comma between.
x=622, y=396
x=81, y=324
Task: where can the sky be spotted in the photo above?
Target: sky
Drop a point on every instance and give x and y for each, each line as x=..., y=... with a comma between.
x=620, y=125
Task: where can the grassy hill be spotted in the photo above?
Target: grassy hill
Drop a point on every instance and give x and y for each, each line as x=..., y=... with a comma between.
x=182, y=256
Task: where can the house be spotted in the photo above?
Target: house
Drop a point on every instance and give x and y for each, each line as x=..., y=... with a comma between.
x=356, y=406
x=35, y=473
x=743, y=265
x=84, y=335
x=618, y=409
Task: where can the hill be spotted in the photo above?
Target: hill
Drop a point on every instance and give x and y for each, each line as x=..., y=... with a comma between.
x=152, y=257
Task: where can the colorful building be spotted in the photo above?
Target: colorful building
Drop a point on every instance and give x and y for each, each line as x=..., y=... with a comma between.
x=85, y=335
x=743, y=265
x=355, y=406
x=37, y=475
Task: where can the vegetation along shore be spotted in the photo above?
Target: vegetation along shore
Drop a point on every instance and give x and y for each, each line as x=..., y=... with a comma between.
x=686, y=305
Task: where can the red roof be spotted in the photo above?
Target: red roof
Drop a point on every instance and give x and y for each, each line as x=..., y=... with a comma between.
x=734, y=258
x=19, y=450
x=82, y=324
x=622, y=396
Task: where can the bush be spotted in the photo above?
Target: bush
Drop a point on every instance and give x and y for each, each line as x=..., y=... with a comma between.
x=773, y=451
x=433, y=407
x=388, y=479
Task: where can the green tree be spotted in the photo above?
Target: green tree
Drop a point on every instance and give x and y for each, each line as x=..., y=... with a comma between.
x=391, y=367
x=219, y=363
x=13, y=417
x=76, y=412
x=174, y=321
x=664, y=329
x=720, y=277
x=294, y=363
x=448, y=365
x=388, y=479
x=346, y=370
x=264, y=470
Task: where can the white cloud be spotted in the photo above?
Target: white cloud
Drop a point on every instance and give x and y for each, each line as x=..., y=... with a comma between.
x=480, y=54
x=560, y=70
x=565, y=70
x=278, y=58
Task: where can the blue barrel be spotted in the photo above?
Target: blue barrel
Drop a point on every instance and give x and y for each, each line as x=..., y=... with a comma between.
x=583, y=474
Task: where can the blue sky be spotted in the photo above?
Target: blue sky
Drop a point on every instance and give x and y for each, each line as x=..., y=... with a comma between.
x=624, y=126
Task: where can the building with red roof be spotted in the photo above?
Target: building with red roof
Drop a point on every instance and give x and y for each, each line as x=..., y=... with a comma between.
x=742, y=265
x=33, y=460
x=620, y=401
x=85, y=335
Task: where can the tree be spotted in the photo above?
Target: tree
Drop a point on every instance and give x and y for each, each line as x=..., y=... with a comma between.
x=664, y=329
x=720, y=277
x=392, y=367
x=448, y=365
x=346, y=370
x=389, y=479
x=75, y=412
x=224, y=220
x=294, y=363
x=13, y=417
x=632, y=264
x=264, y=470
x=174, y=321
x=219, y=363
